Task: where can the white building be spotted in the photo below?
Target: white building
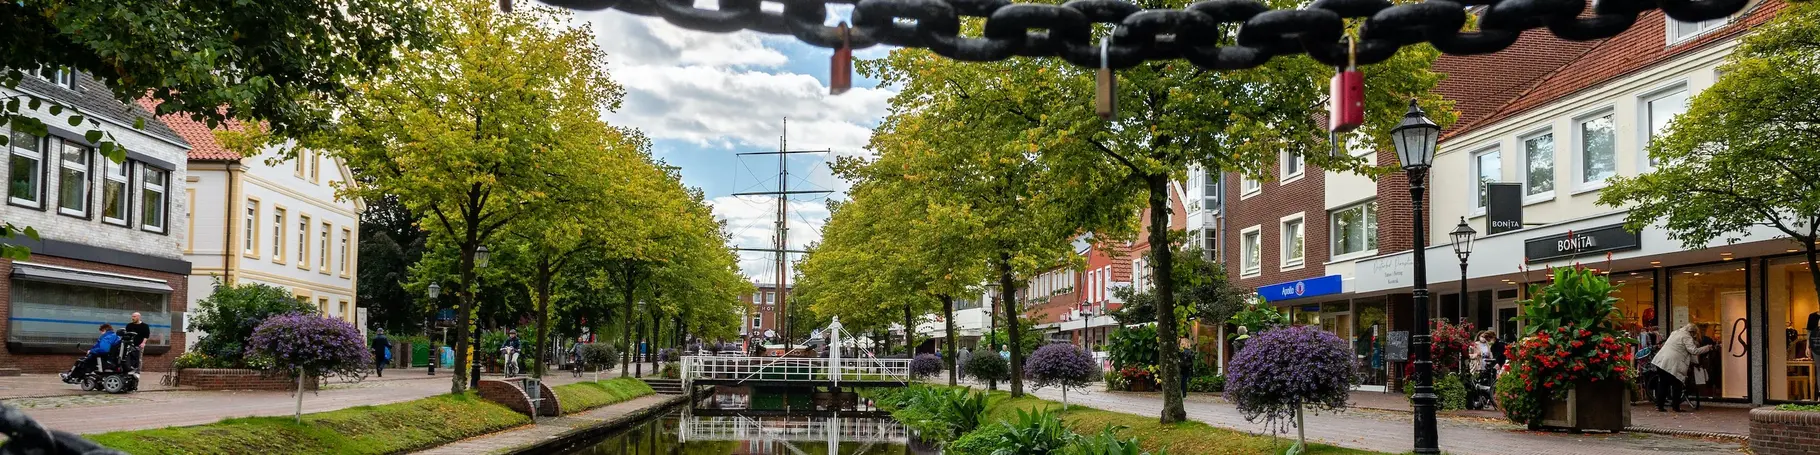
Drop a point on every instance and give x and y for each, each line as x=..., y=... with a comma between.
x=108, y=242
x=280, y=223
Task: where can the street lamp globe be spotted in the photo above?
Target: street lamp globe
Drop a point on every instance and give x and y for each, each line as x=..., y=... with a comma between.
x=1462, y=239
x=1415, y=139
x=435, y=290
x=480, y=257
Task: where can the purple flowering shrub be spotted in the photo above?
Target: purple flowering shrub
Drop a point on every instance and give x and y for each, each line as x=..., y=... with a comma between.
x=1285, y=369
x=1061, y=365
x=925, y=365
x=312, y=345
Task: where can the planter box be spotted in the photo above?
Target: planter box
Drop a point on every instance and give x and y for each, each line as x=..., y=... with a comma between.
x=1774, y=432
x=1600, y=405
x=239, y=379
x=1140, y=386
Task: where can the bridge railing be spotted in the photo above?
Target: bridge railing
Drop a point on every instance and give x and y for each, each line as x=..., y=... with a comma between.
x=740, y=428
x=795, y=369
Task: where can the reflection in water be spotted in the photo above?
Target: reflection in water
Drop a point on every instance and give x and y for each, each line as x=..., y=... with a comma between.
x=682, y=433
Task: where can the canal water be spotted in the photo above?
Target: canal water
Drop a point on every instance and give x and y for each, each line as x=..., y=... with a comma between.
x=743, y=421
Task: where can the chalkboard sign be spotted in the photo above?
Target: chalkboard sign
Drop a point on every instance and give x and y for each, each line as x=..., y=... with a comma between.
x=1396, y=346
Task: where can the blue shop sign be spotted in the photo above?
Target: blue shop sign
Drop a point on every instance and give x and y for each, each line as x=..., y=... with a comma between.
x=1301, y=288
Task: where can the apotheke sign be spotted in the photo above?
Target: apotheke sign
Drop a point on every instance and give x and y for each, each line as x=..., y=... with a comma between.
x=1580, y=242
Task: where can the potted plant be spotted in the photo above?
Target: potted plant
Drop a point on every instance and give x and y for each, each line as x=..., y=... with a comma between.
x=1573, y=368
x=1138, y=378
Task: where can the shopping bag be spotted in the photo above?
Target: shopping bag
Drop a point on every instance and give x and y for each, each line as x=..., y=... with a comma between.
x=1699, y=376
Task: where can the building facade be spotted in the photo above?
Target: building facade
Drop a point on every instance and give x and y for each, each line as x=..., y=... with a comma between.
x=280, y=223
x=762, y=317
x=110, y=234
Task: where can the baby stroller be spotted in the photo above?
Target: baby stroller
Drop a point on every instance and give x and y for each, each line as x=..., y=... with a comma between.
x=1481, y=390
x=113, y=372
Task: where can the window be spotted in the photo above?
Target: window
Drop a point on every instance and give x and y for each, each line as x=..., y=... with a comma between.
x=346, y=236
x=758, y=320
x=322, y=304
x=1539, y=165
x=758, y=298
x=63, y=314
x=1292, y=165
x=152, y=183
x=1249, y=186
x=1659, y=111
x=1355, y=229
x=1140, y=274
x=1293, y=242
x=25, y=183
x=322, y=247
x=278, y=245
x=770, y=298
x=61, y=77
x=1487, y=168
x=303, y=242
x=315, y=167
x=299, y=164
x=72, y=179
x=1210, y=191
x=1682, y=31
x=1250, y=250
x=1210, y=242
x=114, y=200
x=346, y=315
x=1598, y=156
x=250, y=241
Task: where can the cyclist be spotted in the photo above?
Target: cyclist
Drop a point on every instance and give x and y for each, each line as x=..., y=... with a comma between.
x=509, y=352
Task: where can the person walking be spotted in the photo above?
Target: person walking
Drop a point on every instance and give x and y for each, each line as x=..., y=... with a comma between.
x=1674, y=360
x=1188, y=356
x=141, y=332
x=960, y=362
x=382, y=352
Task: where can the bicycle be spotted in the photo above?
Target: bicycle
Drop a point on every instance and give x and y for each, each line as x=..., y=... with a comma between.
x=510, y=357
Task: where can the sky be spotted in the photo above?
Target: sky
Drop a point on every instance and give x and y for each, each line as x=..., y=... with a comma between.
x=704, y=97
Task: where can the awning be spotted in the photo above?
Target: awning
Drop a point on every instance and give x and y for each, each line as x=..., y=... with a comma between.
x=52, y=274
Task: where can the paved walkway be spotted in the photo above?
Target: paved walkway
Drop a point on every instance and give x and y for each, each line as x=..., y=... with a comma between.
x=548, y=428
x=77, y=413
x=1712, y=418
x=1391, y=431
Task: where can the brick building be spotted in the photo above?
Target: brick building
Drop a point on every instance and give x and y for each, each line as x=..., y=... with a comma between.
x=762, y=311
x=110, y=234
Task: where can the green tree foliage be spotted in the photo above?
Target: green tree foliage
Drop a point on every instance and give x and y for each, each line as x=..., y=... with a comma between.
x=390, y=242
x=1744, y=155
x=1174, y=115
x=476, y=132
x=281, y=62
x=1207, y=294
x=229, y=315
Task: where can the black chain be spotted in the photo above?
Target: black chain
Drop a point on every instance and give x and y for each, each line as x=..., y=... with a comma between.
x=26, y=437
x=1213, y=34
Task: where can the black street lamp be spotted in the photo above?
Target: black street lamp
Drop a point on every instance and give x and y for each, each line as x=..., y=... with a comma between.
x=1462, y=248
x=1415, y=140
x=435, y=291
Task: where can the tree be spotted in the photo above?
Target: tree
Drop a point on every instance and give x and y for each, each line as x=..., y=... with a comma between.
x=1207, y=294
x=281, y=62
x=390, y=242
x=1744, y=154
x=473, y=133
x=1062, y=365
x=1174, y=114
x=1287, y=370
x=309, y=346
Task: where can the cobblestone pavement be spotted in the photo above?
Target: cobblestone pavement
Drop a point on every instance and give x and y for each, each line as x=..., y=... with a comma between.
x=1391, y=431
x=548, y=427
x=134, y=411
x=1712, y=418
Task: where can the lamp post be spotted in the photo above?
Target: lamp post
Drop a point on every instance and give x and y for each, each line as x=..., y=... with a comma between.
x=435, y=291
x=1415, y=139
x=480, y=262
x=1462, y=247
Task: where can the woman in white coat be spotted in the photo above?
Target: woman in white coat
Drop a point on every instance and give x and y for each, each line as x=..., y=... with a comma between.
x=1676, y=357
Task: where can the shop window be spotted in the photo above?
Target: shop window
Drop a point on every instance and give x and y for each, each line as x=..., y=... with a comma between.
x=1794, y=319
x=70, y=314
x=1715, y=299
x=1371, y=325
x=1636, y=296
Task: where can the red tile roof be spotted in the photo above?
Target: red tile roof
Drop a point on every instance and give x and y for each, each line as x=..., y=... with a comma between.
x=203, y=144
x=1640, y=48
x=1480, y=84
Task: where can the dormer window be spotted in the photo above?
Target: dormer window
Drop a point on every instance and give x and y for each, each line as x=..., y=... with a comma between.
x=1682, y=31
x=61, y=77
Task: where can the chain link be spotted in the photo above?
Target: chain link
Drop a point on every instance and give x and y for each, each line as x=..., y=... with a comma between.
x=1212, y=34
x=26, y=437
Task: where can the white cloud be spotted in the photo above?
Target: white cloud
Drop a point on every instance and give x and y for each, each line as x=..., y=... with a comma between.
x=752, y=219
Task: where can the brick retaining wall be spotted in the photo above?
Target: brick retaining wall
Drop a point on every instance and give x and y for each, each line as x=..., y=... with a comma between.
x=239, y=379
x=1775, y=432
x=509, y=394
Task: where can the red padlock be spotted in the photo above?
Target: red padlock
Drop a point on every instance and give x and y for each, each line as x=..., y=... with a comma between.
x=840, y=77
x=1346, y=110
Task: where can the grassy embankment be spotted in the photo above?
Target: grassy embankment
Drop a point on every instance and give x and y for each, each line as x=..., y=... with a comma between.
x=384, y=429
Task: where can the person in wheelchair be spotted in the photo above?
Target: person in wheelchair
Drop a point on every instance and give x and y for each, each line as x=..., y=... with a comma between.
x=108, y=342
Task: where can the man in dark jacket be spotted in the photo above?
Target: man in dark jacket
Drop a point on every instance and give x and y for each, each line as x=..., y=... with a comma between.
x=382, y=348
x=140, y=333
x=103, y=345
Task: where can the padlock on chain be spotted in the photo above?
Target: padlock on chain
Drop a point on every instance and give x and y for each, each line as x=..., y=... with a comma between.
x=1106, y=85
x=1346, y=108
x=840, y=77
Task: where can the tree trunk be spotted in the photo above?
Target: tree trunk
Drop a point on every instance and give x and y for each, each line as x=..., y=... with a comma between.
x=1161, y=263
x=543, y=315
x=299, y=413
x=625, y=324
x=909, y=334
x=948, y=323
x=464, y=313
x=1007, y=294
